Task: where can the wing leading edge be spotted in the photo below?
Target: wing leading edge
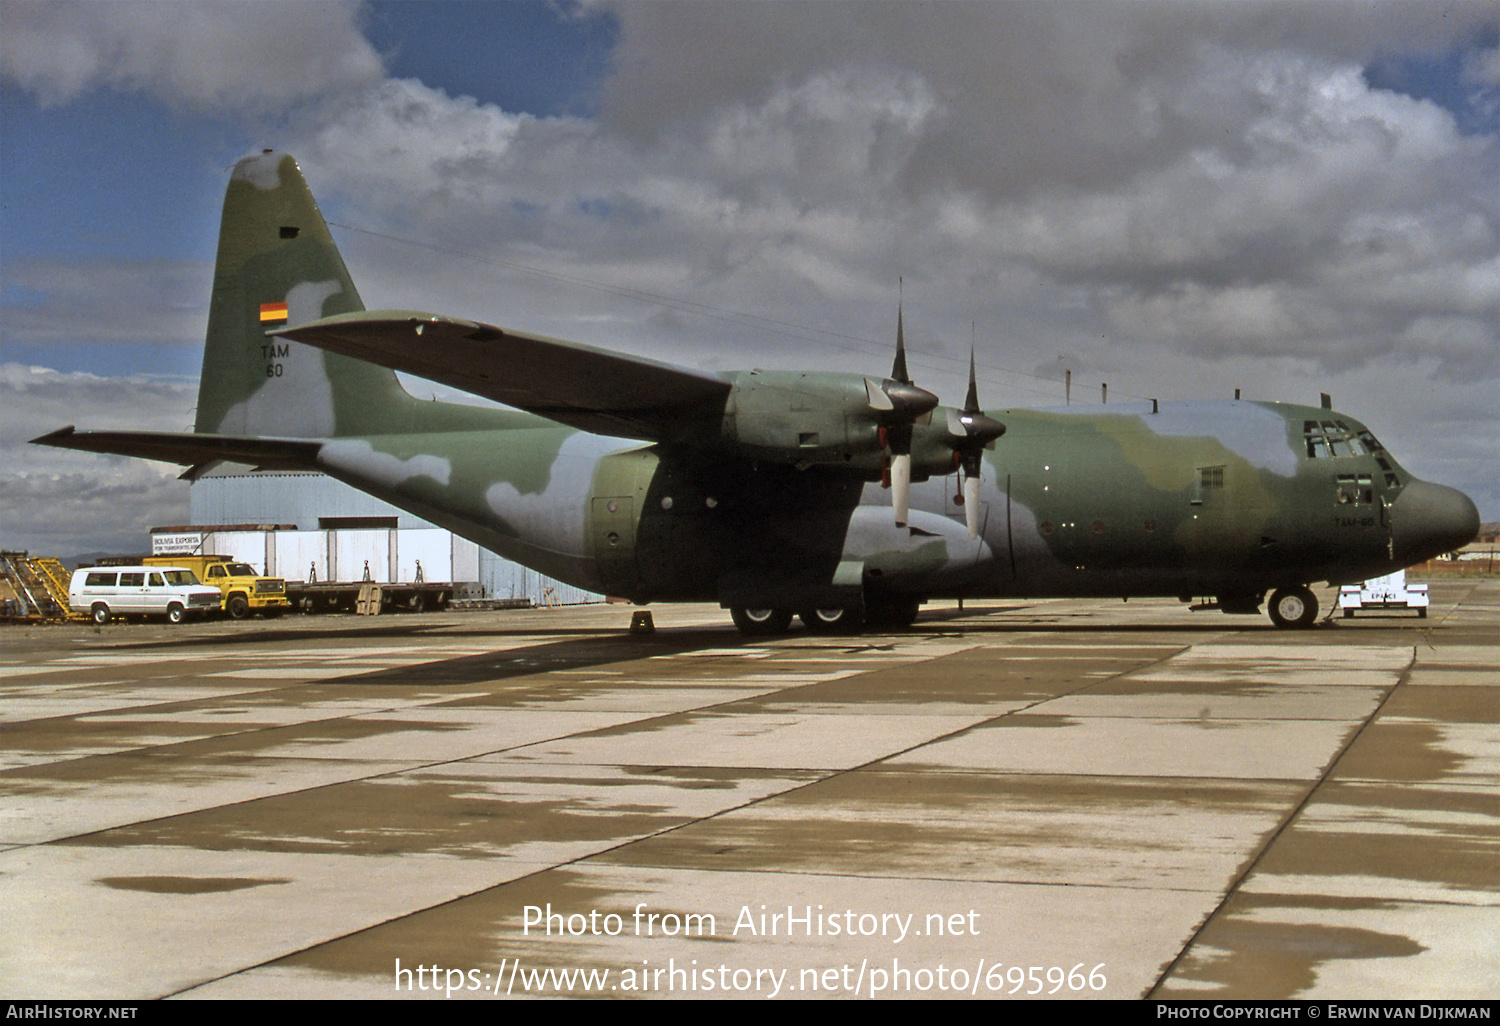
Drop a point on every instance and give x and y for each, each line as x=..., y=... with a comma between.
x=592, y=389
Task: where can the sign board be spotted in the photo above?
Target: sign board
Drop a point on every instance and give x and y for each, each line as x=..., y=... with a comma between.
x=187, y=543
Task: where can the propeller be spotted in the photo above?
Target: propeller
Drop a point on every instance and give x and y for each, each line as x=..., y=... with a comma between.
x=898, y=405
x=970, y=432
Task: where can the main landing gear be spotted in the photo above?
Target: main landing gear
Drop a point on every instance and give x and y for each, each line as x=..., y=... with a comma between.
x=761, y=622
x=1294, y=607
x=882, y=614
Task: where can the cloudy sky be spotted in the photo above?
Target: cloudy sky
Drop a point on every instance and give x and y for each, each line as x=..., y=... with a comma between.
x=1178, y=199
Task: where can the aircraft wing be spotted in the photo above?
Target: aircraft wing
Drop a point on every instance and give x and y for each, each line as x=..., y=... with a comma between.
x=581, y=386
x=191, y=449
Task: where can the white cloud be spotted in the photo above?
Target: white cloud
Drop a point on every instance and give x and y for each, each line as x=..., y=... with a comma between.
x=1483, y=67
x=1282, y=206
x=58, y=502
x=232, y=56
x=80, y=302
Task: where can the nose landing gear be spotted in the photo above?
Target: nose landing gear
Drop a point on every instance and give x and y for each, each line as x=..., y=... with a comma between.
x=1294, y=607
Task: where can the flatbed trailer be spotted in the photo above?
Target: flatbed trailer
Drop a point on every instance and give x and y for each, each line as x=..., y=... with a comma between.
x=369, y=596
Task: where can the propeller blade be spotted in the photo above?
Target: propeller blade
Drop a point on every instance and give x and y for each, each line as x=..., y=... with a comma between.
x=898, y=369
x=971, y=401
x=971, y=504
x=970, y=429
x=899, y=404
x=901, y=487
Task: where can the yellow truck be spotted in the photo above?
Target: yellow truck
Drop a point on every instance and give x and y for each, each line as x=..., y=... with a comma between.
x=244, y=591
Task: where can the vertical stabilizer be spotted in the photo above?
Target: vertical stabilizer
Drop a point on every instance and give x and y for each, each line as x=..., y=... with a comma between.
x=278, y=267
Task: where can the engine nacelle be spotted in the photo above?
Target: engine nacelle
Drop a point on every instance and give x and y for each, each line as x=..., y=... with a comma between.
x=806, y=419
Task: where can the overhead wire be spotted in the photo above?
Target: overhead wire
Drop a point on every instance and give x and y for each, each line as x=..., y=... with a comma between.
x=788, y=329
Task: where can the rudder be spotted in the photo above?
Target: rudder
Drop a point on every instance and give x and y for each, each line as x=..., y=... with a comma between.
x=278, y=266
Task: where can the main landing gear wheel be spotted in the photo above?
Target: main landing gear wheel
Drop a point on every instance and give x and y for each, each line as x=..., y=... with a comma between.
x=837, y=620
x=761, y=622
x=1294, y=607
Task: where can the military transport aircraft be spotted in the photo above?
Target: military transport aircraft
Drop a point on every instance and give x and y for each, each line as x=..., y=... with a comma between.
x=765, y=490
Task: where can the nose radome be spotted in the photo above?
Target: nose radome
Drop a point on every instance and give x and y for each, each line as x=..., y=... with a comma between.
x=1430, y=519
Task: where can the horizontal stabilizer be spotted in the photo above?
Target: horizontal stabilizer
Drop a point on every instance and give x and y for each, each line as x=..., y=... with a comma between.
x=191, y=449
x=587, y=388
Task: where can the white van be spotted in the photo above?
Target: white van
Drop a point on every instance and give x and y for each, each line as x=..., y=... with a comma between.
x=170, y=591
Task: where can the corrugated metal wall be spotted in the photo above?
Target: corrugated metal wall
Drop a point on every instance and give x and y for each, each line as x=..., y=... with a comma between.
x=223, y=497
x=277, y=498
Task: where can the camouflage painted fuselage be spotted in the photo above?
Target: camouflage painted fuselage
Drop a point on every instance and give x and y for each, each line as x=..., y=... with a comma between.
x=1197, y=499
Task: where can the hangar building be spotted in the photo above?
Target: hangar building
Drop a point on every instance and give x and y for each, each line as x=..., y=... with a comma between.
x=296, y=524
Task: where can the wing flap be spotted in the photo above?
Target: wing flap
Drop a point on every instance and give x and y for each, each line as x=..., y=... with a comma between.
x=592, y=389
x=188, y=449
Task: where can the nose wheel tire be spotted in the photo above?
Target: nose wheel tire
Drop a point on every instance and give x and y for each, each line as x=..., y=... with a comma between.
x=1294, y=607
x=761, y=622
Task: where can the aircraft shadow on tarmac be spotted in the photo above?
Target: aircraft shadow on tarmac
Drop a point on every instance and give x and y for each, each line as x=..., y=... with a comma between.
x=580, y=648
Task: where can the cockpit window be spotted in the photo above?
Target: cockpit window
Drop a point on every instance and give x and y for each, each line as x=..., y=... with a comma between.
x=1391, y=480
x=1334, y=438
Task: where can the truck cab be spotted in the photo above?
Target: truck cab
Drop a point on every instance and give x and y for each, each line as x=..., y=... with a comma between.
x=243, y=591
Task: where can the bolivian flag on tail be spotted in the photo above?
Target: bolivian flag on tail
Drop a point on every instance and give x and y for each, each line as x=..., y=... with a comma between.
x=273, y=313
